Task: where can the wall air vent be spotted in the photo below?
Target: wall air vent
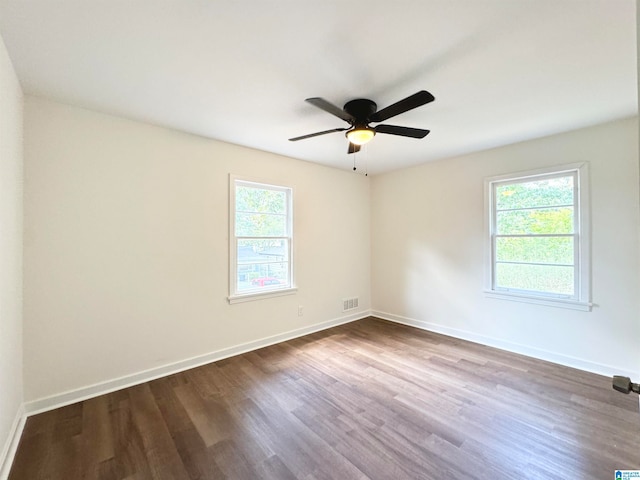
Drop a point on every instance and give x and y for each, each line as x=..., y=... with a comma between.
x=349, y=304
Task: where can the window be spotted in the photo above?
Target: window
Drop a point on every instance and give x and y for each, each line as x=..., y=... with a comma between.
x=539, y=237
x=260, y=240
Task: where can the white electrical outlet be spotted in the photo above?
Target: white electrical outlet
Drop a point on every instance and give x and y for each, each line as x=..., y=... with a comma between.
x=300, y=311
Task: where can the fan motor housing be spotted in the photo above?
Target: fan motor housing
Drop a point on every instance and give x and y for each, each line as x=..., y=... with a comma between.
x=360, y=109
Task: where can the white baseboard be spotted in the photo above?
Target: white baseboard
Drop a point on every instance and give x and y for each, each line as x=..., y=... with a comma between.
x=11, y=445
x=566, y=360
x=83, y=393
x=90, y=391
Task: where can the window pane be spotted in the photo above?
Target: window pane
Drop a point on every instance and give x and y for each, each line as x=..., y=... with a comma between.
x=260, y=200
x=262, y=276
x=539, y=193
x=548, y=279
x=261, y=238
x=535, y=250
x=260, y=225
x=258, y=251
x=539, y=221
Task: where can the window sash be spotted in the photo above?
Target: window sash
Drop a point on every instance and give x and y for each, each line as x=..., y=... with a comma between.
x=248, y=289
x=576, y=234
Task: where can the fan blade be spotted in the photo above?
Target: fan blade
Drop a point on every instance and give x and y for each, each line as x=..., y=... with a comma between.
x=295, y=139
x=402, y=131
x=409, y=103
x=353, y=148
x=322, y=104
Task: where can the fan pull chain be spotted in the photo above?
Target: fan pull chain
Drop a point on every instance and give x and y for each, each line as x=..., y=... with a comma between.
x=354, y=161
x=366, y=163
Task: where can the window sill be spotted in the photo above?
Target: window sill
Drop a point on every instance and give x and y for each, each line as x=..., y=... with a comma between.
x=250, y=297
x=548, y=301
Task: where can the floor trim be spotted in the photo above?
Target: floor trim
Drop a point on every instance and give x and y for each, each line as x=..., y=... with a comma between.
x=11, y=446
x=83, y=393
x=566, y=360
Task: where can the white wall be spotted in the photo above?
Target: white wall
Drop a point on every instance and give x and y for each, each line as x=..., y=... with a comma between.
x=11, y=105
x=126, y=247
x=638, y=79
x=428, y=250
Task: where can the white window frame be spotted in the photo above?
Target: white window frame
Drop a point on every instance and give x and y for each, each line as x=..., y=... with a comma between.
x=581, y=300
x=272, y=291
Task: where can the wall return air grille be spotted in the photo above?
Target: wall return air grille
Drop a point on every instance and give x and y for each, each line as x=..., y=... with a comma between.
x=349, y=304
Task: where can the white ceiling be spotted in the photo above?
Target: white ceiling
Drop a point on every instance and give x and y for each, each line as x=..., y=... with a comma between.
x=501, y=70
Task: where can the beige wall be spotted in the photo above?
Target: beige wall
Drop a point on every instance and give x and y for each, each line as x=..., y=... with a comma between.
x=428, y=250
x=126, y=247
x=11, y=104
x=638, y=80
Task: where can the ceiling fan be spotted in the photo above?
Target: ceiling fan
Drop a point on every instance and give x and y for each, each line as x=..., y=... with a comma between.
x=361, y=112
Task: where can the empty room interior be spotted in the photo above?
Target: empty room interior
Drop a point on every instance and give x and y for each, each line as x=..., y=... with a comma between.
x=319, y=240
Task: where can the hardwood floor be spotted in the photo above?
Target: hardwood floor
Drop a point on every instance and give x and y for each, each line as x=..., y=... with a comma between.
x=369, y=399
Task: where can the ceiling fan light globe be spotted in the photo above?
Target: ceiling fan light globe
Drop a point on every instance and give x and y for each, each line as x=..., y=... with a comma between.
x=360, y=136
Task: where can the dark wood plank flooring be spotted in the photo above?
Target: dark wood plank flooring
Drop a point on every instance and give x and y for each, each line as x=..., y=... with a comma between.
x=370, y=399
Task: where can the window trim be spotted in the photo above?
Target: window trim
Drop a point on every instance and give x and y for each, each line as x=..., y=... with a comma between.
x=234, y=295
x=582, y=241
